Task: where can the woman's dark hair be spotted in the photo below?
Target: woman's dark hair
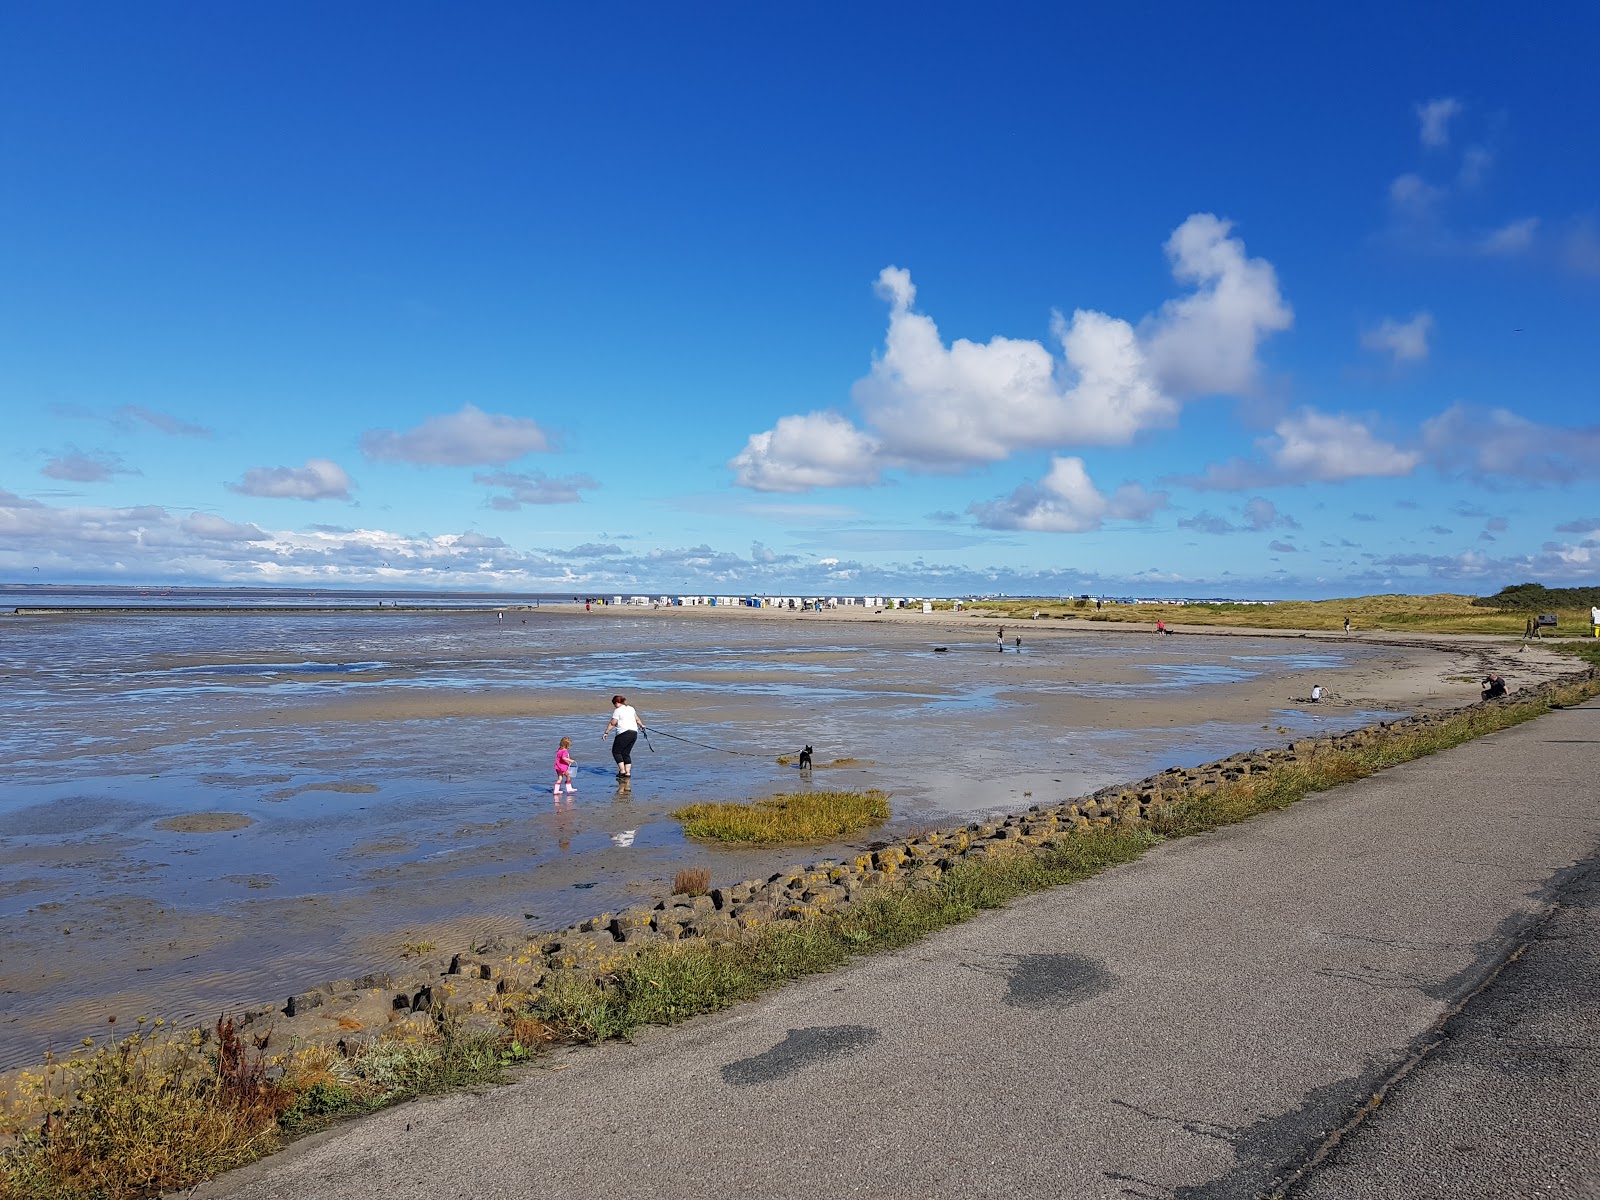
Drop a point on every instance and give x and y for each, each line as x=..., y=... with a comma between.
x=619, y=699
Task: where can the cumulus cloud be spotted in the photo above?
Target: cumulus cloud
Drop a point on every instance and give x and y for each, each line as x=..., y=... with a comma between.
x=1309, y=447
x=469, y=438
x=76, y=466
x=820, y=449
x=593, y=550
x=319, y=479
x=1497, y=445
x=929, y=405
x=534, y=487
x=1206, y=342
x=1067, y=501
x=1403, y=341
x=1434, y=119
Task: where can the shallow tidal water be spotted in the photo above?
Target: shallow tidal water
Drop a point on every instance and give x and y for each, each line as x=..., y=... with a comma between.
x=206, y=812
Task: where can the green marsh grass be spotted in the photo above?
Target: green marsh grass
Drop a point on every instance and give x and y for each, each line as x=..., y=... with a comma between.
x=794, y=818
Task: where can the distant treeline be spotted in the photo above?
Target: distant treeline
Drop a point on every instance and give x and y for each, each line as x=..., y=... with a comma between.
x=1535, y=597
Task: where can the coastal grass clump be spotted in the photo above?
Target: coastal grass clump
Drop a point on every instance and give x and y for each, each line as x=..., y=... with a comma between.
x=792, y=818
x=154, y=1112
x=691, y=881
x=138, y=1116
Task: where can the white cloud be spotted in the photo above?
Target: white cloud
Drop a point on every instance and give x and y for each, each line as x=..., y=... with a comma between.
x=319, y=479
x=1500, y=445
x=1510, y=239
x=1434, y=118
x=1067, y=501
x=469, y=438
x=534, y=487
x=1308, y=447
x=75, y=466
x=931, y=406
x=1318, y=446
x=820, y=449
x=1206, y=342
x=1404, y=341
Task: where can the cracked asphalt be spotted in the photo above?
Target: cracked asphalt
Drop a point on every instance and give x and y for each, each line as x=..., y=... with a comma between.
x=1206, y=1022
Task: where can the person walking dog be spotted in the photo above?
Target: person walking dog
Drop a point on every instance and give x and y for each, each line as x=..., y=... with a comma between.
x=625, y=720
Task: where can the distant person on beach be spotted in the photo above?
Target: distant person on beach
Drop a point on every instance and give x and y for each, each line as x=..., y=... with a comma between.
x=1019, y=645
x=1493, y=687
x=625, y=720
x=1161, y=626
x=1316, y=693
x=1347, y=624
x=564, y=767
x=1000, y=639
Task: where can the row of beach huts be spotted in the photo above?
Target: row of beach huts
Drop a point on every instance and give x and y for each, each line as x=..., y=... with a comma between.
x=796, y=603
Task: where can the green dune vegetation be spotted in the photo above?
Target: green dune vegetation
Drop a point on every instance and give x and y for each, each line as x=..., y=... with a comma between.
x=793, y=818
x=1506, y=612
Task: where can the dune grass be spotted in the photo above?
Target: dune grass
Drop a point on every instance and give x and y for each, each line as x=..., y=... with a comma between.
x=794, y=818
x=1442, y=613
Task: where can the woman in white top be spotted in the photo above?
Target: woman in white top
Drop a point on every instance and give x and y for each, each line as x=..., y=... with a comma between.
x=625, y=720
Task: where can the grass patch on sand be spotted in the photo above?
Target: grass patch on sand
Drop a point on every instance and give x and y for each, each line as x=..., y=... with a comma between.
x=790, y=819
x=1442, y=613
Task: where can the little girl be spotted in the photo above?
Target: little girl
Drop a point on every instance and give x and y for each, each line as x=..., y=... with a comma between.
x=564, y=767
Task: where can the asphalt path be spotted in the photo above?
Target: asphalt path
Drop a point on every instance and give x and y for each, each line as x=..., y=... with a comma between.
x=1213, y=1020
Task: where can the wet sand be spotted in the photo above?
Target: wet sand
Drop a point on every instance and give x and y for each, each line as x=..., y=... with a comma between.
x=214, y=811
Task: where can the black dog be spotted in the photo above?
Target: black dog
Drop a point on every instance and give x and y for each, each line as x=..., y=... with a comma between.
x=805, y=759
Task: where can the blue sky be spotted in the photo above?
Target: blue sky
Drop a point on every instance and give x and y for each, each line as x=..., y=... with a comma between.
x=836, y=298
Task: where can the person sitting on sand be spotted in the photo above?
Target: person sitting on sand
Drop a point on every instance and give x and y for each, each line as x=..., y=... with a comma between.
x=625, y=720
x=1316, y=694
x=1493, y=687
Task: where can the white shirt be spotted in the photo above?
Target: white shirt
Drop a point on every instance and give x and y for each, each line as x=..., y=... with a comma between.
x=1316, y=692
x=627, y=720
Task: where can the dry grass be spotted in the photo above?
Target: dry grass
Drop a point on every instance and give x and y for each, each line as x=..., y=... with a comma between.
x=142, y=1115
x=795, y=818
x=691, y=881
x=1443, y=613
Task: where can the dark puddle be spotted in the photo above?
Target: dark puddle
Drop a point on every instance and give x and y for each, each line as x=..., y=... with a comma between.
x=801, y=1049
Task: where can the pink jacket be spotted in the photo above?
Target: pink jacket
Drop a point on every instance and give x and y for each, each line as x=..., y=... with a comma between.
x=563, y=761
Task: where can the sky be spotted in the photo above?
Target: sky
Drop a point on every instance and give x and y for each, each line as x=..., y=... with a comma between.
x=1267, y=301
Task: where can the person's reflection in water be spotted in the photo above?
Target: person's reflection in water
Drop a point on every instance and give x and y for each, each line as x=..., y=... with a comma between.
x=624, y=788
